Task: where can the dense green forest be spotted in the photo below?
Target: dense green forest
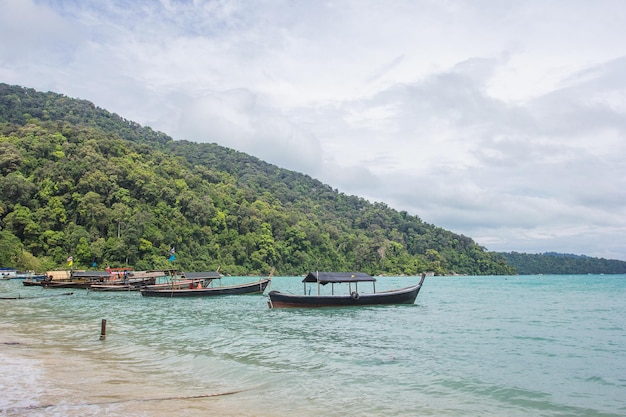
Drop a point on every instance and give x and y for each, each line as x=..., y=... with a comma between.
x=562, y=263
x=80, y=181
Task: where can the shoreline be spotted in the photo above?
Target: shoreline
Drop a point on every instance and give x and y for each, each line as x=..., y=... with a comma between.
x=37, y=379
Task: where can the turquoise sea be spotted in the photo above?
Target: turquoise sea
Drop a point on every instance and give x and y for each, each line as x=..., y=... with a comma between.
x=469, y=346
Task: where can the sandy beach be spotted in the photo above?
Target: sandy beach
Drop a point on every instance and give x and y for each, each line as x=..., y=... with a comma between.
x=37, y=380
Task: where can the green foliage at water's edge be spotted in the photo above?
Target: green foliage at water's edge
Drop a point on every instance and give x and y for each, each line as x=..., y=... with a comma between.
x=562, y=263
x=79, y=181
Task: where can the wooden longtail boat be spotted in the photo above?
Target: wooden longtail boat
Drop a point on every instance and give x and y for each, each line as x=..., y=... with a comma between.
x=113, y=287
x=80, y=284
x=202, y=287
x=67, y=279
x=248, y=288
x=77, y=279
x=406, y=295
x=130, y=280
x=186, y=280
x=34, y=282
x=49, y=276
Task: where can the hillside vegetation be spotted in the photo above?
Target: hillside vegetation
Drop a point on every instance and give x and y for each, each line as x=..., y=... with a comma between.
x=80, y=181
x=562, y=263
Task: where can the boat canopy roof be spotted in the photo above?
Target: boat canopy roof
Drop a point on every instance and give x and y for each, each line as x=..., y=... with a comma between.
x=331, y=277
x=203, y=275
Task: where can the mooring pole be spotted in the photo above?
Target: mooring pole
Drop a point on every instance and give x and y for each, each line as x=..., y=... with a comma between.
x=103, y=329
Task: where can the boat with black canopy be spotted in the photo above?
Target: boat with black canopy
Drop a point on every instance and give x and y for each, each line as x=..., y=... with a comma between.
x=353, y=297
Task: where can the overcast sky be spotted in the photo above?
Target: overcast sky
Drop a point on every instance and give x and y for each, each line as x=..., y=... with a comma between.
x=501, y=120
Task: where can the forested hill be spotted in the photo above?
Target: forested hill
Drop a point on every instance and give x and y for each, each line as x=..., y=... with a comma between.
x=80, y=181
x=562, y=263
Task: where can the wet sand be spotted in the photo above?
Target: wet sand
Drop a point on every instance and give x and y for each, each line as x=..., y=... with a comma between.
x=37, y=379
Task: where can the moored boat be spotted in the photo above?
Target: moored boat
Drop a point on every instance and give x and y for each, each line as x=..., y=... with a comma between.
x=73, y=279
x=12, y=273
x=80, y=284
x=186, y=280
x=202, y=285
x=60, y=276
x=353, y=297
x=34, y=281
x=128, y=280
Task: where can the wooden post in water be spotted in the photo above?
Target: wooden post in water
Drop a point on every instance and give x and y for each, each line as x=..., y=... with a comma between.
x=103, y=329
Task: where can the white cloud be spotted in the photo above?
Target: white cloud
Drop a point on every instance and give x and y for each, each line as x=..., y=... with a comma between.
x=501, y=121
x=241, y=120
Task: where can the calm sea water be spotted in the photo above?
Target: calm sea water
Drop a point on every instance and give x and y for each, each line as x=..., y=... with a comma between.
x=469, y=346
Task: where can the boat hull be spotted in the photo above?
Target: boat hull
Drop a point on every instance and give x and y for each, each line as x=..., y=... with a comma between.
x=114, y=287
x=67, y=284
x=402, y=296
x=33, y=283
x=249, y=288
x=172, y=285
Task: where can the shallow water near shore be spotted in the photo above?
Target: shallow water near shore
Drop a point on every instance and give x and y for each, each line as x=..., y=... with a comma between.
x=501, y=346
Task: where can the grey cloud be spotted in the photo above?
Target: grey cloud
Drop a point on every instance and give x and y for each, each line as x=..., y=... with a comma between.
x=241, y=120
x=531, y=171
x=478, y=132
x=29, y=32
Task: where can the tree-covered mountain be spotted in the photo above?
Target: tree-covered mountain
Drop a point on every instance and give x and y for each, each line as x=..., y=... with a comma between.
x=562, y=263
x=80, y=181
